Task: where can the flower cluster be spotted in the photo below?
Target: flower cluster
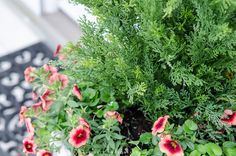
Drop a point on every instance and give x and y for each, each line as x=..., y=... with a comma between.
x=43, y=104
x=166, y=145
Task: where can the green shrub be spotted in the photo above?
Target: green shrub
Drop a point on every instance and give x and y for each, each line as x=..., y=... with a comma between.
x=167, y=57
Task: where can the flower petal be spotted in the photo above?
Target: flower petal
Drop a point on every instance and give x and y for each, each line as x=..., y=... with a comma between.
x=159, y=125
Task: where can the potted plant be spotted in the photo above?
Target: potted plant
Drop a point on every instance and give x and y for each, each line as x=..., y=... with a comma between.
x=151, y=77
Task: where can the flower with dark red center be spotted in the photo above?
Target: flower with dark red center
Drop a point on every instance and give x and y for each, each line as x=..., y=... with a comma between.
x=79, y=136
x=49, y=69
x=22, y=113
x=29, y=127
x=59, y=77
x=46, y=100
x=28, y=74
x=44, y=153
x=84, y=123
x=229, y=117
x=114, y=115
x=159, y=125
x=29, y=146
x=170, y=147
x=77, y=92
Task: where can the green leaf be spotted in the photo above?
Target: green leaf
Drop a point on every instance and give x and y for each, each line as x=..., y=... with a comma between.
x=117, y=136
x=190, y=145
x=229, y=144
x=191, y=125
x=134, y=142
x=89, y=93
x=94, y=103
x=213, y=149
x=145, y=138
x=72, y=103
x=195, y=153
x=201, y=149
x=135, y=152
x=112, y=106
x=229, y=151
x=111, y=143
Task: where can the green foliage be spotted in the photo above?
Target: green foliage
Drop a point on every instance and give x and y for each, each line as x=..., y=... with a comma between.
x=168, y=57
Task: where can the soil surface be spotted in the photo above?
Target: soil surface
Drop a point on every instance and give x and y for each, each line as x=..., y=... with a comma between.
x=134, y=124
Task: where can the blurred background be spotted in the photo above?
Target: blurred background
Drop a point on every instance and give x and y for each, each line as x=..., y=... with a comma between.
x=29, y=33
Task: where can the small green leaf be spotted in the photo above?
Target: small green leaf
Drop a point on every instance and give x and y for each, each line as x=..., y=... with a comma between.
x=134, y=142
x=229, y=144
x=201, y=149
x=213, y=149
x=229, y=151
x=191, y=125
x=195, y=153
x=112, y=106
x=135, y=152
x=111, y=143
x=72, y=103
x=145, y=138
x=190, y=145
x=89, y=93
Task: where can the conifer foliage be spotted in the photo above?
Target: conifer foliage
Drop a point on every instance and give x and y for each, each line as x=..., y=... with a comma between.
x=167, y=56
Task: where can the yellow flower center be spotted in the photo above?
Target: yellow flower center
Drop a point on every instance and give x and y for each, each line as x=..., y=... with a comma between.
x=173, y=144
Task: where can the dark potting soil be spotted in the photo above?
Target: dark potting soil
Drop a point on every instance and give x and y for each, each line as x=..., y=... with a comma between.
x=134, y=124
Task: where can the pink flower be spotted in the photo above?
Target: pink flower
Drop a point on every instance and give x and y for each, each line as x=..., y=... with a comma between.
x=44, y=153
x=57, y=51
x=114, y=115
x=46, y=100
x=77, y=92
x=37, y=106
x=84, y=123
x=22, y=113
x=28, y=74
x=170, y=147
x=79, y=136
x=50, y=69
x=229, y=117
x=29, y=127
x=59, y=77
x=29, y=146
x=34, y=95
x=159, y=125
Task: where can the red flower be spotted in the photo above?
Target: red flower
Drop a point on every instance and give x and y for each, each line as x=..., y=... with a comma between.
x=57, y=51
x=37, y=106
x=114, y=115
x=77, y=92
x=84, y=123
x=29, y=127
x=59, y=77
x=159, y=125
x=44, y=153
x=29, y=146
x=170, y=147
x=28, y=74
x=79, y=136
x=23, y=110
x=46, y=100
x=50, y=69
x=229, y=117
